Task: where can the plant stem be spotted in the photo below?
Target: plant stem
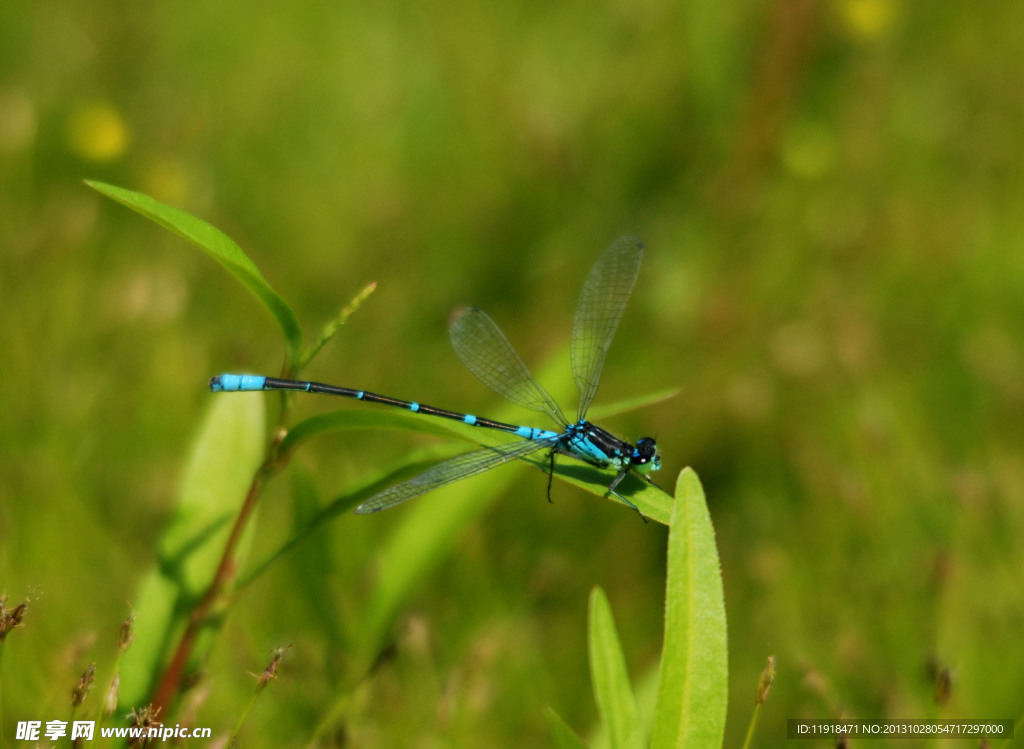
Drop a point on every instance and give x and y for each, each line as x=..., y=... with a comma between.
x=170, y=681
x=752, y=726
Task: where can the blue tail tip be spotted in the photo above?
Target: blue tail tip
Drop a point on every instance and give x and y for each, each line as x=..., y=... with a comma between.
x=232, y=383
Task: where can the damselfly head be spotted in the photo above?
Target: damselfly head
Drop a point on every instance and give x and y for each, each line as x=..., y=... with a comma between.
x=645, y=456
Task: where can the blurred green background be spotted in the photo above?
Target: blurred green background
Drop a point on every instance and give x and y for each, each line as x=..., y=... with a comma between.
x=830, y=194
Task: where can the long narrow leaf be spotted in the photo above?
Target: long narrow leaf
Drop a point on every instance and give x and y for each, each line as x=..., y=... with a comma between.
x=227, y=453
x=217, y=245
x=694, y=664
x=612, y=691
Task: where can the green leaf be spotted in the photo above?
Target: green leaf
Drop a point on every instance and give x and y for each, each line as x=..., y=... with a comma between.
x=693, y=692
x=612, y=691
x=652, y=501
x=565, y=737
x=220, y=247
x=646, y=691
x=226, y=456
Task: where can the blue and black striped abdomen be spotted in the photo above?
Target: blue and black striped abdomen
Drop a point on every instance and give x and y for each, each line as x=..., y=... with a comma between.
x=236, y=383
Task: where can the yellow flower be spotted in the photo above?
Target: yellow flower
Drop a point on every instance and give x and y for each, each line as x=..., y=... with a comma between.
x=97, y=132
x=868, y=19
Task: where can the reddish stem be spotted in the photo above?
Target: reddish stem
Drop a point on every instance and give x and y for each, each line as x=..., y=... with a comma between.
x=170, y=682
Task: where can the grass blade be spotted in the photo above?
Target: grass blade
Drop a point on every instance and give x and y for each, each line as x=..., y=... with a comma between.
x=225, y=457
x=693, y=691
x=217, y=245
x=612, y=691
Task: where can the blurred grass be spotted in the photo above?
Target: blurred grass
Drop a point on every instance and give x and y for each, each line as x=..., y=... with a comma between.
x=830, y=198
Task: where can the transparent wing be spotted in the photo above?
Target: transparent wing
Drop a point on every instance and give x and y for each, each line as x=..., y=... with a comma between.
x=604, y=296
x=450, y=471
x=486, y=352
